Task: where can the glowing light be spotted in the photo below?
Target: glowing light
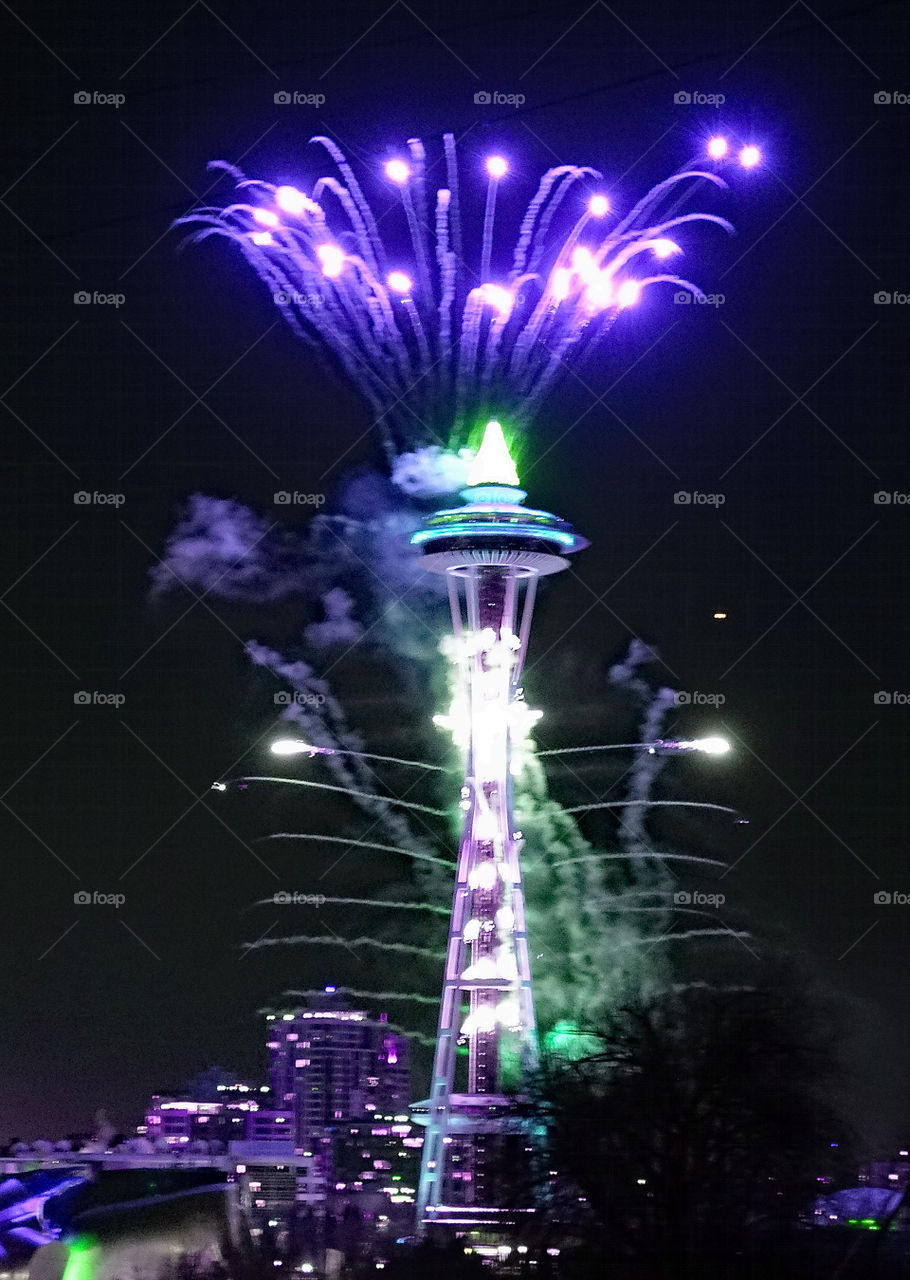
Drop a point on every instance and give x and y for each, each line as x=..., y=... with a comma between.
x=332, y=258
x=483, y=876
x=262, y=237
x=493, y=463
x=717, y=148
x=562, y=283
x=482, y=1020
x=290, y=200
x=397, y=171
x=497, y=166
x=471, y=931
x=483, y=968
x=583, y=264
x=485, y=828
x=749, y=157
x=291, y=747
x=509, y=1014
x=598, y=206
x=398, y=282
x=499, y=298
x=599, y=293
x=664, y=248
x=628, y=293
x=719, y=617
x=265, y=217
x=711, y=746
x=505, y=917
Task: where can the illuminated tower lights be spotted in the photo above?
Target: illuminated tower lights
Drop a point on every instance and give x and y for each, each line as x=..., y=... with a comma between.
x=492, y=552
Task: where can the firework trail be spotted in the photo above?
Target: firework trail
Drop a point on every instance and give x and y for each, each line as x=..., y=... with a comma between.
x=371, y=902
x=440, y=345
x=351, y=842
x=401, y=948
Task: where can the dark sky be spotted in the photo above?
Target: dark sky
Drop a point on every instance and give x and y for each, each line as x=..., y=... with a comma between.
x=788, y=399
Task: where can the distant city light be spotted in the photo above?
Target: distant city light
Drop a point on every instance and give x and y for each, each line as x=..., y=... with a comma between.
x=719, y=616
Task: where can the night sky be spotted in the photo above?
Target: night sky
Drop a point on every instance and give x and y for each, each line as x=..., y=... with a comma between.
x=787, y=399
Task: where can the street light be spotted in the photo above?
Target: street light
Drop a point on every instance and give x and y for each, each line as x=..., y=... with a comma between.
x=295, y=747
x=709, y=746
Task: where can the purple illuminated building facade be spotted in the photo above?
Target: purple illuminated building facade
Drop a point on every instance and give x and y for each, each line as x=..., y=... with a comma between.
x=330, y=1063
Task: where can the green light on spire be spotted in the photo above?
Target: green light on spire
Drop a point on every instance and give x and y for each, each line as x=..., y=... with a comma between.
x=492, y=463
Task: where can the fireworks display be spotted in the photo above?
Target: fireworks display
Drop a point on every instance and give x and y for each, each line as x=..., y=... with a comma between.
x=436, y=336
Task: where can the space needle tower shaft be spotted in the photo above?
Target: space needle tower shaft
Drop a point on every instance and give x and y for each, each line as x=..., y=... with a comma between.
x=492, y=552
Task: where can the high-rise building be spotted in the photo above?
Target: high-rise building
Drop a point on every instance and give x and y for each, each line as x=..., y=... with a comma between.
x=331, y=1063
